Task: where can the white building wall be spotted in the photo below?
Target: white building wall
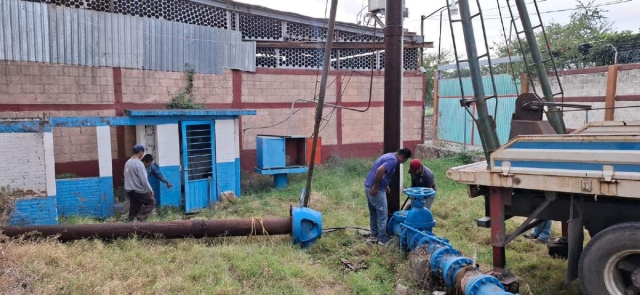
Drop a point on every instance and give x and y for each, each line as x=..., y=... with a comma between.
x=22, y=161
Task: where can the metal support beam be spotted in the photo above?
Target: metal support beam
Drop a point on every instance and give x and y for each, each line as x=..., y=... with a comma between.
x=554, y=115
x=393, y=94
x=497, y=199
x=326, y=66
x=485, y=123
x=167, y=230
x=336, y=45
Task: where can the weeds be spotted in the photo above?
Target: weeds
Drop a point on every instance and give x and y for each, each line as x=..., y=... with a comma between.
x=185, y=99
x=271, y=265
x=66, y=176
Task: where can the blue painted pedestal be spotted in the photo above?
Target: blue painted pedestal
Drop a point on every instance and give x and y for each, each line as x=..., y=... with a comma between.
x=280, y=180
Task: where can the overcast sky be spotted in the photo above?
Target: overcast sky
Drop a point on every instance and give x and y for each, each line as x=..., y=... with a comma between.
x=624, y=13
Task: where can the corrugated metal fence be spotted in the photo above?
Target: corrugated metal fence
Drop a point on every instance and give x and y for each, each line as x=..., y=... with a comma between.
x=456, y=125
x=35, y=32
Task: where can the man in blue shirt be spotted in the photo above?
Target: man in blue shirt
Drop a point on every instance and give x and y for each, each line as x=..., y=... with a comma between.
x=154, y=170
x=376, y=188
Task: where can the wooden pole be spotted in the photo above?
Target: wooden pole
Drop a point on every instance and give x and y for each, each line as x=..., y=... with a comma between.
x=610, y=100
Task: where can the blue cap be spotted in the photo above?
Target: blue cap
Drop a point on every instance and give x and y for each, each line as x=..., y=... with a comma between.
x=138, y=148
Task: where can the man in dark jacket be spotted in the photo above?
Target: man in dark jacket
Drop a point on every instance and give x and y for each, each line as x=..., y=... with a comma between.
x=421, y=176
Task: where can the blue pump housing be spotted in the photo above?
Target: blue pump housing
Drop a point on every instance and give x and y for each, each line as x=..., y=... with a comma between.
x=306, y=227
x=414, y=229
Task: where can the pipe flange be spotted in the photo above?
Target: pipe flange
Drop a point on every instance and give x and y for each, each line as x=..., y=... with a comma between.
x=474, y=285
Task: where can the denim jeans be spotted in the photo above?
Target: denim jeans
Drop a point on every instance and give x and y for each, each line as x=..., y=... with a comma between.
x=428, y=202
x=542, y=231
x=377, y=214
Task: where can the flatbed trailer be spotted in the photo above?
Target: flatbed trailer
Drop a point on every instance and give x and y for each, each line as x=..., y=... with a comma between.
x=590, y=179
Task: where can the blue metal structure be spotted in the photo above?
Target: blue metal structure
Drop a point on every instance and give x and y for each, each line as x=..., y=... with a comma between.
x=198, y=158
x=271, y=152
x=272, y=159
x=414, y=227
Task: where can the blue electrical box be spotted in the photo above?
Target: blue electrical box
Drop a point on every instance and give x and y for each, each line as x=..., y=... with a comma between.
x=270, y=152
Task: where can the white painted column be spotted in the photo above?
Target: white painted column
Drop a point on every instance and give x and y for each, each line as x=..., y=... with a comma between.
x=103, y=133
x=141, y=135
x=49, y=163
x=236, y=136
x=168, y=145
x=225, y=141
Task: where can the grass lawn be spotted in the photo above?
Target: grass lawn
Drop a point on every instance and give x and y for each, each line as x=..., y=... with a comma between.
x=271, y=265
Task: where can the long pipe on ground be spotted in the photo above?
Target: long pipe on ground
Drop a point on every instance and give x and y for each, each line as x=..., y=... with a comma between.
x=195, y=228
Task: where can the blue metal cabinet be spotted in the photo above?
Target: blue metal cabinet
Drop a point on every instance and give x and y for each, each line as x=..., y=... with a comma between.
x=271, y=152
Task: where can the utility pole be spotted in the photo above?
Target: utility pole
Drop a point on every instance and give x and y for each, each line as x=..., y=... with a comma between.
x=326, y=66
x=393, y=33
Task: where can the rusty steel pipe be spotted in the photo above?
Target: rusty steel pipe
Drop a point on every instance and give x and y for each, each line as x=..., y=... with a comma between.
x=167, y=230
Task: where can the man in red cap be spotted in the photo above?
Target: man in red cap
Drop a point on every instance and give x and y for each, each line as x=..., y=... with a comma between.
x=421, y=176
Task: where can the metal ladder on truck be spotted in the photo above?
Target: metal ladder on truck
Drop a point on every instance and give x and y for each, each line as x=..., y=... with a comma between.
x=485, y=122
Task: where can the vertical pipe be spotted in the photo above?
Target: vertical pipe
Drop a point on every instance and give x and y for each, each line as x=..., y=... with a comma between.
x=554, y=114
x=326, y=66
x=610, y=101
x=486, y=125
x=393, y=93
x=422, y=18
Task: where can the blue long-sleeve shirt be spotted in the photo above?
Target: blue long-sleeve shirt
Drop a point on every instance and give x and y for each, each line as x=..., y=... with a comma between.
x=154, y=170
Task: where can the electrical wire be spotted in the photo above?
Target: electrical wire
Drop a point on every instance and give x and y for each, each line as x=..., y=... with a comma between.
x=496, y=17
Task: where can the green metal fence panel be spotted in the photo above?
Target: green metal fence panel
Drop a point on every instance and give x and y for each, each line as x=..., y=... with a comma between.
x=451, y=122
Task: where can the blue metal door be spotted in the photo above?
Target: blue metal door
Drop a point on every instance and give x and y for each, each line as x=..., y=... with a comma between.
x=199, y=171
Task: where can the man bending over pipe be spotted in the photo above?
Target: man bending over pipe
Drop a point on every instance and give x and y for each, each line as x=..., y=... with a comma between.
x=422, y=176
x=376, y=187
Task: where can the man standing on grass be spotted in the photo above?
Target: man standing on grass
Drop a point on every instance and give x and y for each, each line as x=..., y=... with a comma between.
x=137, y=186
x=154, y=171
x=421, y=176
x=376, y=188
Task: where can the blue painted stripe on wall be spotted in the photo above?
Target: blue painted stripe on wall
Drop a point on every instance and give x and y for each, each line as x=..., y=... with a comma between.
x=227, y=176
x=86, y=197
x=35, y=211
x=24, y=127
x=169, y=197
x=577, y=145
x=570, y=166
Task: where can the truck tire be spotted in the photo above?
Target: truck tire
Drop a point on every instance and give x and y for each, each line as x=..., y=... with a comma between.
x=610, y=264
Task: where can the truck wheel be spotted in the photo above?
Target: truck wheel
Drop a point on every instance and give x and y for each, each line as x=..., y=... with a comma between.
x=610, y=264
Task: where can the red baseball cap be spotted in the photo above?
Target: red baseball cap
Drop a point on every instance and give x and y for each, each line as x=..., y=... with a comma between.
x=414, y=165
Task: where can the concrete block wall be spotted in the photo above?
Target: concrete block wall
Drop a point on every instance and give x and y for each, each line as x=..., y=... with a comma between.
x=23, y=162
x=302, y=123
x=589, y=87
x=35, y=211
x=87, y=197
x=227, y=156
x=168, y=159
x=39, y=83
x=139, y=86
x=261, y=88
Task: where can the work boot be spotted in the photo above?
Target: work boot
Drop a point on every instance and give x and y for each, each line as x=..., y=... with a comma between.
x=530, y=236
x=383, y=244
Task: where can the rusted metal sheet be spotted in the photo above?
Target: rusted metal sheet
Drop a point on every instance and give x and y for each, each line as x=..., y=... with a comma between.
x=194, y=228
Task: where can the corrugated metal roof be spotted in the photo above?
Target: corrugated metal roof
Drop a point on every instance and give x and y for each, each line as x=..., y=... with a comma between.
x=34, y=32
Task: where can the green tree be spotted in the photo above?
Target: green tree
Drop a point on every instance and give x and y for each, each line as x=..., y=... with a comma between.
x=430, y=65
x=587, y=25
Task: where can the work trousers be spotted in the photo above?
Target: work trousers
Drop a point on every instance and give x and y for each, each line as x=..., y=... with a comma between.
x=141, y=205
x=377, y=214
